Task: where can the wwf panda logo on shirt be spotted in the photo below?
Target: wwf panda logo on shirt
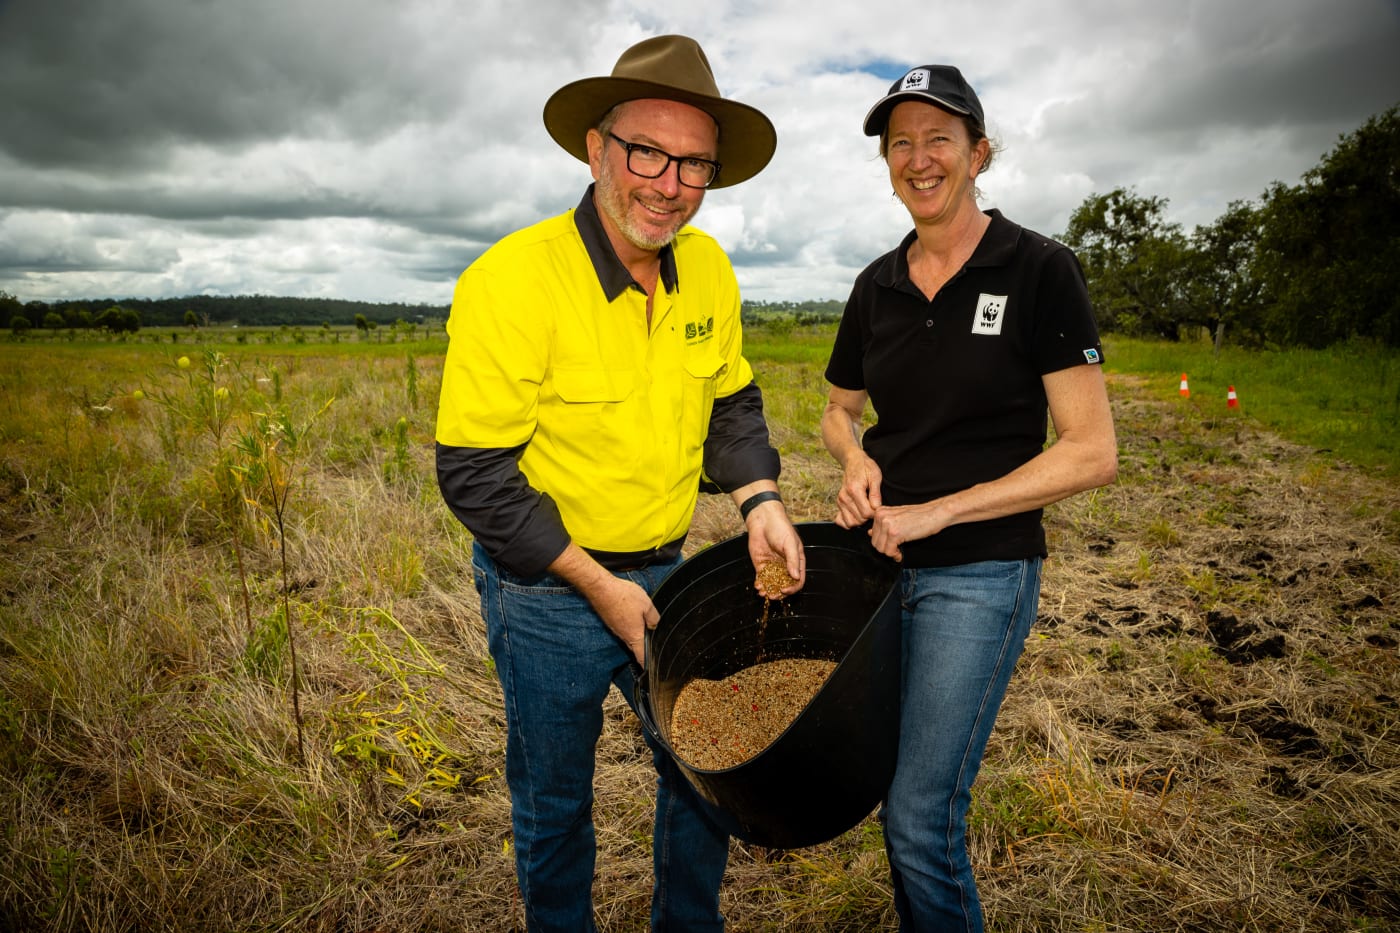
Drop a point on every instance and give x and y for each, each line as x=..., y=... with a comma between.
x=989, y=315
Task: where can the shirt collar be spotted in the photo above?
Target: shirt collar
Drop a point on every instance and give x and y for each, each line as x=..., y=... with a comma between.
x=612, y=274
x=996, y=248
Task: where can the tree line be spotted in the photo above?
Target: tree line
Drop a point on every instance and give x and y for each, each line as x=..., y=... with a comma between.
x=794, y=312
x=1310, y=264
x=130, y=314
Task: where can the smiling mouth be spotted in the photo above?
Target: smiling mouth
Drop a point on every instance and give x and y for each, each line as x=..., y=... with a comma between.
x=660, y=213
x=924, y=185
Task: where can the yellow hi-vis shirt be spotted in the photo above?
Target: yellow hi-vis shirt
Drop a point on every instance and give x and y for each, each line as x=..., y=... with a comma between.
x=613, y=417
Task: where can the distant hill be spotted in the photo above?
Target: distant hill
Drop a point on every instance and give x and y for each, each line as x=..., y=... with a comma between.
x=247, y=310
x=272, y=311
x=799, y=312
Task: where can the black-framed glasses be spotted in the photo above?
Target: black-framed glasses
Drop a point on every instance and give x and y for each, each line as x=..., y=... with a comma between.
x=650, y=162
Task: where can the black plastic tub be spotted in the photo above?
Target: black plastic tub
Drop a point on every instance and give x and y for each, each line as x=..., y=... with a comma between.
x=833, y=764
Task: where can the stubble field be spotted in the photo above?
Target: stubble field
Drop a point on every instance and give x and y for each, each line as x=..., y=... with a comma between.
x=1203, y=733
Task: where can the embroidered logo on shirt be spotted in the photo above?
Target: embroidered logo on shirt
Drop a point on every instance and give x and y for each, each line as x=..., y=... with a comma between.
x=697, y=330
x=989, y=314
x=1091, y=355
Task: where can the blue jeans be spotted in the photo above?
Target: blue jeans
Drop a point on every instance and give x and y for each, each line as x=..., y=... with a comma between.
x=556, y=661
x=964, y=628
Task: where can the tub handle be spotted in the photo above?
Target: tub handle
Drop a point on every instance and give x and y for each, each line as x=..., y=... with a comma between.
x=642, y=692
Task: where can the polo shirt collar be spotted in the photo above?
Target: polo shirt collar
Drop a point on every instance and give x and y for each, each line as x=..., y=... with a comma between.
x=996, y=248
x=612, y=274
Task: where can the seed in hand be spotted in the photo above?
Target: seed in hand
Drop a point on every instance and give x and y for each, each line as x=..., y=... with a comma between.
x=773, y=578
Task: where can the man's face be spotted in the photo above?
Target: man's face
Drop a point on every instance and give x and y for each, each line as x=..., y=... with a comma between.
x=647, y=212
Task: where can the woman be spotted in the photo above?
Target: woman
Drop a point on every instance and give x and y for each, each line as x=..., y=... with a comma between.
x=961, y=339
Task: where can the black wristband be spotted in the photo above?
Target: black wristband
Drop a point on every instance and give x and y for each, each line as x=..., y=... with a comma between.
x=757, y=499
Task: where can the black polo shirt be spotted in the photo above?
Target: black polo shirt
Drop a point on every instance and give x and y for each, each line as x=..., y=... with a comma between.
x=956, y=382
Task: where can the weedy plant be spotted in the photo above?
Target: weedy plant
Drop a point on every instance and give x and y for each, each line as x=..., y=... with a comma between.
x=395, y=726
x=251, y=472
x=269, y=454
x=399, y=466
x=411, y=382
x=203, y=400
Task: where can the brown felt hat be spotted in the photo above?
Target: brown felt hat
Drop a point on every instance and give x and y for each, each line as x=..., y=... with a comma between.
x=665, y=68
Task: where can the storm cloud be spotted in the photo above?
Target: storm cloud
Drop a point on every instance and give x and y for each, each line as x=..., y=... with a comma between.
x=368, y=150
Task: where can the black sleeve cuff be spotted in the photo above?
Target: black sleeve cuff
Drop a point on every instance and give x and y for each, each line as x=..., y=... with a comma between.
x=737, y=451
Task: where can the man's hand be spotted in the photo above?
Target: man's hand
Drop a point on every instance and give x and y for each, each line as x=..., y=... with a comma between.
x=627, y=611
x=772, y=537
x=624, y=607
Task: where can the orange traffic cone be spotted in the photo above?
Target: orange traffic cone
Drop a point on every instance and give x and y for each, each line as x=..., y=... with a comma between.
x=1185, y=389
x=1231, y=399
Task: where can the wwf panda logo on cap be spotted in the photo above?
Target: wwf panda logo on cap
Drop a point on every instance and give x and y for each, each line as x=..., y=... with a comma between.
x=940, y=85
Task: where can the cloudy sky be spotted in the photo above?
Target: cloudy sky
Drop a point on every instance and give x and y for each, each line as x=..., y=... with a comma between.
x=369, y=149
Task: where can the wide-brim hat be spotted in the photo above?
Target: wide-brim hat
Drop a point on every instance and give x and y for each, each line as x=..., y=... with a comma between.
x=665, y=68
x=940, y=85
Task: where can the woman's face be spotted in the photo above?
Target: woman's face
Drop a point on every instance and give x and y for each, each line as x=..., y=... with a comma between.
x=932, y=160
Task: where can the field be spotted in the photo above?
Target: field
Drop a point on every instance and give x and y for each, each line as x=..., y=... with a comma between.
x=1204, y=733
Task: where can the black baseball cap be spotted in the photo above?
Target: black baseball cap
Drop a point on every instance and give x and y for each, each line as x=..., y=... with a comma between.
x=940, y=85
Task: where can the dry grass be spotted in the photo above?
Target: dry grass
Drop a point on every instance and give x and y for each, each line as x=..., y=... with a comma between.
x=1202, y=735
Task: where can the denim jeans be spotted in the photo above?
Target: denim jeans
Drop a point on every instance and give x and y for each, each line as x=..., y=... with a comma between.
x=964, y=629
x=556, y=661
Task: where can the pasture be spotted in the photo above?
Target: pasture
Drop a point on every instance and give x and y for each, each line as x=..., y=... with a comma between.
x=1203, y=735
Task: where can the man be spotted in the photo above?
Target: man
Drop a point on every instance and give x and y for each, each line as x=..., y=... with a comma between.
x=594, y=381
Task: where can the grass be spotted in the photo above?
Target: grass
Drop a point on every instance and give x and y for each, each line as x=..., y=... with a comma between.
x=1344, y=400
x=1203, y=733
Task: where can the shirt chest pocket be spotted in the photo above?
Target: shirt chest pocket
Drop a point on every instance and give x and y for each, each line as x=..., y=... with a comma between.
x=705, y=367
x=702, y=376
x=593, y=386
x=592, y=409
x=699, y=384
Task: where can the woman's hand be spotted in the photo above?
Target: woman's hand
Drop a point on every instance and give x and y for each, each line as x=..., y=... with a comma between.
x=859, y=496
x=892, y=525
